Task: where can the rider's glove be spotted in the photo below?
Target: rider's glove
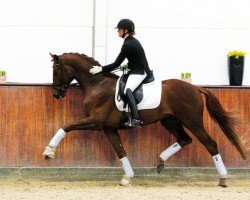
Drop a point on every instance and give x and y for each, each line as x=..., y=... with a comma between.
x=95, y=69
x=123, y=66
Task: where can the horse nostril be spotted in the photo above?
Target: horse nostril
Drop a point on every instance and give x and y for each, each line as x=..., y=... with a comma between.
x=59, y=95
x=56, y=96
x=62, y=95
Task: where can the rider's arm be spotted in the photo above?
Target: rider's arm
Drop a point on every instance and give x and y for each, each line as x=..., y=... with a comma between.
x=120, y=58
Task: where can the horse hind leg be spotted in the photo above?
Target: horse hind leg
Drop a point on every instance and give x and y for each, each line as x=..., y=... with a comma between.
x=202, y=135
x=115, y=141
x=174, y=126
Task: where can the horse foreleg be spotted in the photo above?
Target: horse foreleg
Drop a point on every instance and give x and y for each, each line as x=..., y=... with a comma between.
x=85, y=124
x=49, y=151
x=115, y=141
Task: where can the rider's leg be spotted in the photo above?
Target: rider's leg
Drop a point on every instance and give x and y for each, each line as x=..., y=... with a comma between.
x=134, y=80
x=134, y=111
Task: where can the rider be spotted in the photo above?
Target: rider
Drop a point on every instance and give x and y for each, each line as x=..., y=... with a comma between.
x=137, y=65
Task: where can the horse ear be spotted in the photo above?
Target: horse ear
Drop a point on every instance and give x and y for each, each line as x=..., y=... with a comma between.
x=52, y=56
x=55, y=57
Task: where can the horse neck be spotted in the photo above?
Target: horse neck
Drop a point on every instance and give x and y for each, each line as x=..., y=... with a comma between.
x=97, y=85
x=88, y=81
x=81, y=66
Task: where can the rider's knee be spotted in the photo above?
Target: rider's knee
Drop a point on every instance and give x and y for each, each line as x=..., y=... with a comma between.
x=127, y=90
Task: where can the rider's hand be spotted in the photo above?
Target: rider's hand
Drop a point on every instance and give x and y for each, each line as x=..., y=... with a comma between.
x=123, y=66
x=95, y=69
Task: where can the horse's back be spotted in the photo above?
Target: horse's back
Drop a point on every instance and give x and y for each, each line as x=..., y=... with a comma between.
x=180, y=96
x=179, y=86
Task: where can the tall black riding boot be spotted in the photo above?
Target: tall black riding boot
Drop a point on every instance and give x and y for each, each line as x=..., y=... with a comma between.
x=135, y=122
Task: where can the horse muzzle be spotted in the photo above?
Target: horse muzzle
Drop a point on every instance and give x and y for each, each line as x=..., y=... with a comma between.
x=59, y=94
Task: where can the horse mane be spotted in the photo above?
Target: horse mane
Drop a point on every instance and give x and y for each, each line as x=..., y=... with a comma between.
x=85, y=57
x=94, y=62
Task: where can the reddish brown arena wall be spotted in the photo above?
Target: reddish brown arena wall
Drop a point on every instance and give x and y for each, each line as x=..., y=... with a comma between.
x=30, y=116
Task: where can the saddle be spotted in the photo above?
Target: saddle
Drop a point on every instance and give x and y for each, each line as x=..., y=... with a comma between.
x=138, y=92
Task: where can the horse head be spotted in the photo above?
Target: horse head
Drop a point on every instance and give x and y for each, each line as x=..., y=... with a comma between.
x=62, y=77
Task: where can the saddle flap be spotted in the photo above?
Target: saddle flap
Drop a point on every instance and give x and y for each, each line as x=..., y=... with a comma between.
x=138, y=92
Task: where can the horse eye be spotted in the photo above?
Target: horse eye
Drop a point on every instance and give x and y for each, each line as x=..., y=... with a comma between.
x=55, y=65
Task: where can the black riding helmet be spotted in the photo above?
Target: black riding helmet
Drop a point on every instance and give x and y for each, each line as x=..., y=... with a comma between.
x=126, y=24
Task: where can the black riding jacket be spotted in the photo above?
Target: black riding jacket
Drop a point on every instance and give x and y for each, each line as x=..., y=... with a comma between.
x=134, y=52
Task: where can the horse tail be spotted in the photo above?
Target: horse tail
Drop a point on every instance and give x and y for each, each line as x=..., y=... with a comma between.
x=224, y=120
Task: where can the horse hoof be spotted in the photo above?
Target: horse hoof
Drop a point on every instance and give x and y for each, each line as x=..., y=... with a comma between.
x=49, y=152
x=160, y=165
x=160, y=168
x=125, y=181
x=222, y=182
x=47, y=157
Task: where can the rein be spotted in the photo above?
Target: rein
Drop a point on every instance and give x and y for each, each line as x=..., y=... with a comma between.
x=95, y=76
x=64, y=86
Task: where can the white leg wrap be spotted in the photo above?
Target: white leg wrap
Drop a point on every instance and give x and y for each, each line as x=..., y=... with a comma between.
x=170, y=151
x=220, y=166
x=127, y=167
x=57, y=138
x=49, y=152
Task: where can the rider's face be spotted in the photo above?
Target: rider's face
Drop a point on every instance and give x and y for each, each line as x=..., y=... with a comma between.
x=121, y=31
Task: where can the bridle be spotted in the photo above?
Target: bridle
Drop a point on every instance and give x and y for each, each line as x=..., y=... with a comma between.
x=62, y=86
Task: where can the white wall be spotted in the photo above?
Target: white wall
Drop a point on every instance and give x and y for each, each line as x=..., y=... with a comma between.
x=30, y=29
x=178, y=35
x=186, y=35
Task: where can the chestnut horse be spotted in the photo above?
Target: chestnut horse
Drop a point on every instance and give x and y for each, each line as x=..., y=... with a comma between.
x=181, y=106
